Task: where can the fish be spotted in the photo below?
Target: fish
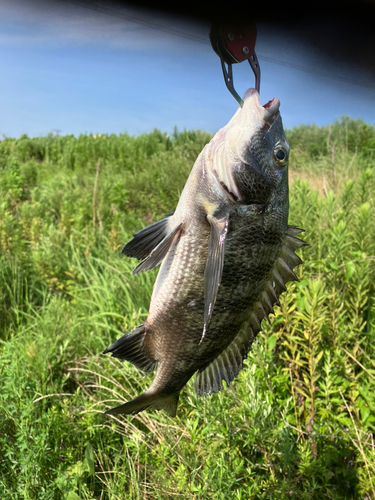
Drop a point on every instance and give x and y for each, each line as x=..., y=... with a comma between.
x=226, y=253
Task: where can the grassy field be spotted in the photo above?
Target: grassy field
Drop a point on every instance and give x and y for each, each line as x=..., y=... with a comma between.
x=299, y=421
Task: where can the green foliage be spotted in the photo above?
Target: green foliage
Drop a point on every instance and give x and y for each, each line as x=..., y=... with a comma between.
x=348, y=134
x=297, y=423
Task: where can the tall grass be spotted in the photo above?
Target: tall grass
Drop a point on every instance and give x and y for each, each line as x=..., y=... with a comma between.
x=298, y=422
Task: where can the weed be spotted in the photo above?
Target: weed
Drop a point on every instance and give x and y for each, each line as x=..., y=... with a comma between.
x=299, y=420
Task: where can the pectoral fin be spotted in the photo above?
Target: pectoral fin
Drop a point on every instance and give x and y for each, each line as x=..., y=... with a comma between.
x=158, y=254
x=214, y=266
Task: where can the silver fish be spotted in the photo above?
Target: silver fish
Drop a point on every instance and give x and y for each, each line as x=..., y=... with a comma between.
x=225, y=253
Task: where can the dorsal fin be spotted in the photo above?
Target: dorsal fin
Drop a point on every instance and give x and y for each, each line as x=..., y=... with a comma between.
x=148, y=238
x=229, y=363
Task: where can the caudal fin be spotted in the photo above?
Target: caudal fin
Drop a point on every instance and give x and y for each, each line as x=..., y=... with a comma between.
x=146, y=401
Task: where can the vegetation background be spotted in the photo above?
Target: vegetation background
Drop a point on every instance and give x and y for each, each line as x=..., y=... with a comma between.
x=298, y=422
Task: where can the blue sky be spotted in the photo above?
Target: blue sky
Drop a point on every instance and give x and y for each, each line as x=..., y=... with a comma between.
x=68, y=68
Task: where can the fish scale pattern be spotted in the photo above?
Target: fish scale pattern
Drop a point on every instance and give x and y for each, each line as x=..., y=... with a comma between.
x=230, y=362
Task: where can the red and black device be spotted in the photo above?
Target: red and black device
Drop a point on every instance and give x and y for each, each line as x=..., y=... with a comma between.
x=234, y=44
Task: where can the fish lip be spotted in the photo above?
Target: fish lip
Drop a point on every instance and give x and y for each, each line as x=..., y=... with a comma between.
x=268, y=112
x=272, y=109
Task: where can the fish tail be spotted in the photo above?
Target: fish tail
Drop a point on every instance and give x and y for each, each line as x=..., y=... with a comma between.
x=150, y=401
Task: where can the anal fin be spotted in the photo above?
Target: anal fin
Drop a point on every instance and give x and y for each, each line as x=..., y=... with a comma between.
x=131, y=348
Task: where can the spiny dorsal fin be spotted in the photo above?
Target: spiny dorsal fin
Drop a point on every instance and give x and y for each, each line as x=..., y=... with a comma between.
x=158, y=254
x=214, y=266
x=145, y=240
x=294, y=230
x=229, y=363
x=131, y=348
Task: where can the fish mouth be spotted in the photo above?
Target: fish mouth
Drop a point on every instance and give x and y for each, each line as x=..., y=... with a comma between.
x=272, y=109
x=266, y=113
x=231, y=145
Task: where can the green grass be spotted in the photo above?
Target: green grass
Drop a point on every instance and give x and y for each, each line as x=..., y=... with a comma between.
x=298, y=422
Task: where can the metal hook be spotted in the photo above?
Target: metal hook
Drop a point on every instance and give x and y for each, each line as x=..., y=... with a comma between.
x=233, y=45
x=228, y=78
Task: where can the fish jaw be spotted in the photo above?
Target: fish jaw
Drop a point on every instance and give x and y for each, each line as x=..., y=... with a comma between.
x=248, y=121
x=242, y=154
x=253, y=115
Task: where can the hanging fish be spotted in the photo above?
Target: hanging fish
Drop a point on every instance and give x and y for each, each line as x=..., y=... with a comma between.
x=225, y=253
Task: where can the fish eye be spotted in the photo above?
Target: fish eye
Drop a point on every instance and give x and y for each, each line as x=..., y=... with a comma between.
x=281, y=155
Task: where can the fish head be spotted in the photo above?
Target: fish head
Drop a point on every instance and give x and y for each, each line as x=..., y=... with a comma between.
x=250, y=154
